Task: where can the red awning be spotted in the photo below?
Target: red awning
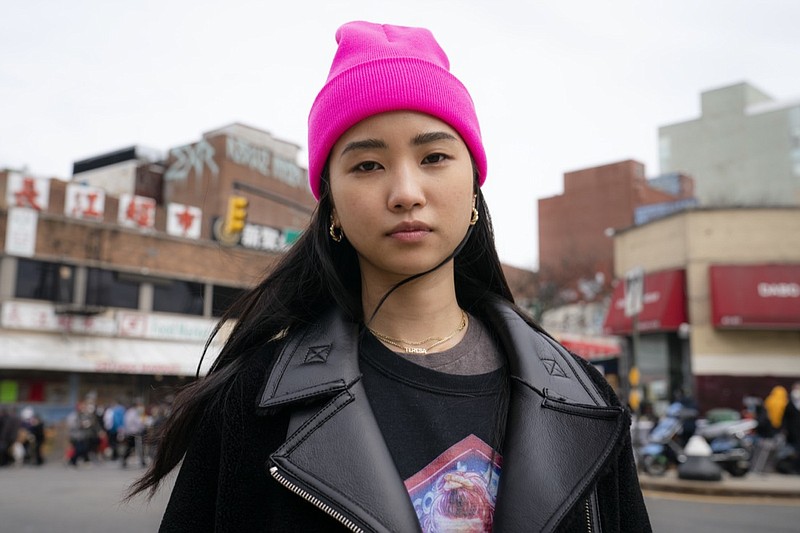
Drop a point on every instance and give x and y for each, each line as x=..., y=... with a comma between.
x=664, y=304
x=755, y=296
x=591, y=348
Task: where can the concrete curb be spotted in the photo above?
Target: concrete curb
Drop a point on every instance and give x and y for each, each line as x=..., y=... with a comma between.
x=751, y=485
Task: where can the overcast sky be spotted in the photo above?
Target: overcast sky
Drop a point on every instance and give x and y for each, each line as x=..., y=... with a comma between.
x=559, y=85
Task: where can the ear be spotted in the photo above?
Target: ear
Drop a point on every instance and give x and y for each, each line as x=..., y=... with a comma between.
x=335, y=217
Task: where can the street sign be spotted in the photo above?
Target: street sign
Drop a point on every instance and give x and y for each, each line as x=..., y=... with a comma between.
x=634, y=289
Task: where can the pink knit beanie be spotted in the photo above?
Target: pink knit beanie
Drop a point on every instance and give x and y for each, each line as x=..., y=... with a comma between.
x=379, y=68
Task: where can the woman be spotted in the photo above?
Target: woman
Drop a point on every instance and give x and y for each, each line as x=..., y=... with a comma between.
x=380, y=378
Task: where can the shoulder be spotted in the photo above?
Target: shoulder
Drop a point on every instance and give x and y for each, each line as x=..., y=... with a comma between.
x=542, y=361
x=598, y=380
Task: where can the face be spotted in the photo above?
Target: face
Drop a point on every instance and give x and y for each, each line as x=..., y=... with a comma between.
x=401, y=185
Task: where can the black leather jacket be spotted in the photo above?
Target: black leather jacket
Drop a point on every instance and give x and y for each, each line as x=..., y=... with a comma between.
x=567, y=462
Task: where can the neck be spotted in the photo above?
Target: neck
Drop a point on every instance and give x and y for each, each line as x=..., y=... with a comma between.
x=426, y=307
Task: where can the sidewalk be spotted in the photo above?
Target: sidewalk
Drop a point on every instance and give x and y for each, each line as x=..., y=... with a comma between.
x=753, y=485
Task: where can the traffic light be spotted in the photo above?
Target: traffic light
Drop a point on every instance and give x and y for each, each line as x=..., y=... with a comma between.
x=236, y=215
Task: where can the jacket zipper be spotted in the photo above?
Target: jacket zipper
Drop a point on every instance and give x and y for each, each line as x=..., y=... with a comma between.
x=316, y=502
x=588, y=517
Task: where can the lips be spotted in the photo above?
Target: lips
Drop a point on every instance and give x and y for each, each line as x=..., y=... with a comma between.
x=409, y=231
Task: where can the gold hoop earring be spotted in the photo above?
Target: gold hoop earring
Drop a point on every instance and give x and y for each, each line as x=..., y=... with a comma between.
x=474, y=219
x=336, y=236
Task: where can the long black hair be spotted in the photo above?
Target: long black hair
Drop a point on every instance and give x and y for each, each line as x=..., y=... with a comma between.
x=313, y=275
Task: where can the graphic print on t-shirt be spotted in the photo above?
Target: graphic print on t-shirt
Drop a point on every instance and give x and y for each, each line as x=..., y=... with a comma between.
x=457, y=490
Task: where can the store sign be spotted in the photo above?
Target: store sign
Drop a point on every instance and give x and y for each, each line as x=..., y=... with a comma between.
x=148, y=326
x=83, y=201
x=128, y=324
x=27, y=191
x=755, y=296
x=184, y=220
x=42, y=317
x=663, y=304
x=21, y=227
x=266, y=238
x=137, y=211
x=634, y=280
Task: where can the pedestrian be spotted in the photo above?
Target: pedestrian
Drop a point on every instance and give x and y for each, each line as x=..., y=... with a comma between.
x=134, y=430
x=775, y=404
x=10, y=424
x=83, y=430
x=380, y=377
x=791, y=425
x=113, y=422
x=34, y=426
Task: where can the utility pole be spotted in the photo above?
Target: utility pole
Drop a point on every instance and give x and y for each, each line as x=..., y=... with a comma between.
x=634, y=293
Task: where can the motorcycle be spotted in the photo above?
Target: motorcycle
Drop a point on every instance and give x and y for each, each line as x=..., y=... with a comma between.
x=731, y=449
x=663, y=447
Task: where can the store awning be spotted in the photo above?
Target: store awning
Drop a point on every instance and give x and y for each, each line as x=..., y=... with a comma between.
x=755, y=296
x=48, y=351
x=591, y=348
x=664, y=304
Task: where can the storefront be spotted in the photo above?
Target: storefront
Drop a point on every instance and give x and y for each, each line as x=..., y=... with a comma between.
x=658, y=332
x=738, y=328
x=763, y=296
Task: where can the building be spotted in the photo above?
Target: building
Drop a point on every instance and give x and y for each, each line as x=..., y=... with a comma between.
x=111, y=282
x=744, y=149
x=721, y=302
x=576, y=255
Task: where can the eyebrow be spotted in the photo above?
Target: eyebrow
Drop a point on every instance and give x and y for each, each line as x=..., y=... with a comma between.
x=433, y=136
x=365, y=144
x=418, y=140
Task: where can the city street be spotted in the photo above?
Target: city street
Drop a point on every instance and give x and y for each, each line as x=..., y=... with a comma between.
x=55, y=498
x=693, y=513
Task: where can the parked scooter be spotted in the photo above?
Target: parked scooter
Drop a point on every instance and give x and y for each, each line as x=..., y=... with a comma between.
x=730, y=446
x=731, y=449
x=664, y=446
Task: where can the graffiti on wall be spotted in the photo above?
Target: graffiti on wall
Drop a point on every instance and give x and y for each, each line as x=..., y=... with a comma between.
x=192, y=157
x=248, y=155
x=287, y=172
x=261, y=160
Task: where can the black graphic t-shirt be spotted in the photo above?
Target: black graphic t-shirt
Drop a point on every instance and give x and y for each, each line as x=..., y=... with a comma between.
x=438, y=427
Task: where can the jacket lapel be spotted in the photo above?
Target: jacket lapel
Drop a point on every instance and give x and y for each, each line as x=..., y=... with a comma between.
x=553, y=410
x=335, y=449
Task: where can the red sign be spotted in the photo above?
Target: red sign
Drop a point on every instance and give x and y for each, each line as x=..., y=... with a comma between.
x=663, y=305
x=755, y=296
x=591, y=348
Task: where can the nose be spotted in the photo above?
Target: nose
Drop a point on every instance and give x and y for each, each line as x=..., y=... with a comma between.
x=406, y=189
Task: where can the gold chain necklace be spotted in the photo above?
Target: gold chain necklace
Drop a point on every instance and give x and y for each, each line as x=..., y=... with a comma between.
x=416, y=346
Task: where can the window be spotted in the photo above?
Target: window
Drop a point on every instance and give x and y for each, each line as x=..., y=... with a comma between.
x=111, y=289
x=39, y=280
x=223, y=298
x=178, y=297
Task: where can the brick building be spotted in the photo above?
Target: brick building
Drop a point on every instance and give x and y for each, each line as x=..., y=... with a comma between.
x=111, y=282
x=576, y=253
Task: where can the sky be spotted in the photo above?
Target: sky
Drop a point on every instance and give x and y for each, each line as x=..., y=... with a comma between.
x=559, y=85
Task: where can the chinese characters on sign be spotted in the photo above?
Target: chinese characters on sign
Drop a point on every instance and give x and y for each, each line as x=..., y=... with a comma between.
x=26, y=191
x=137, y=211
x=184, y=220
x=84, y=202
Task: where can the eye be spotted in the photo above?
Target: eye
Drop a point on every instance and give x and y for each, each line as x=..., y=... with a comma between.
x=432, y=159
x=366, y=166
